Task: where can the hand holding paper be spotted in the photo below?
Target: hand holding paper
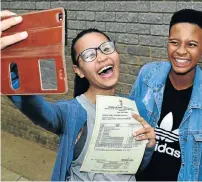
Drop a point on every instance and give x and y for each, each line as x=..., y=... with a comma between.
x=113, y=148
x=145, y=133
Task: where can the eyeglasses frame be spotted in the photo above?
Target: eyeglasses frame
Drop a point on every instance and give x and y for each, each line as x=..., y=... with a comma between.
x=96, y=48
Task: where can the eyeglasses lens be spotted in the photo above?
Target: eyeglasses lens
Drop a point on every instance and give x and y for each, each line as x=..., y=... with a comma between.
x=90, y=54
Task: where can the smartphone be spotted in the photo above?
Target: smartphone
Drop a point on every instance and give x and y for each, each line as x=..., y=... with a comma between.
x=38, y=62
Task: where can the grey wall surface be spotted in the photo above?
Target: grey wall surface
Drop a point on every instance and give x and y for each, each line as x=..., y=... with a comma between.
x=140, y=29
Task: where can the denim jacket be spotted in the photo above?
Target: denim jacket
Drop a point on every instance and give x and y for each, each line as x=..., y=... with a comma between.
x=148, y=93
x=64, y=118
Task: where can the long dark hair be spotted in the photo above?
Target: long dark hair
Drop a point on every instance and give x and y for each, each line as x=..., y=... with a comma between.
x=81, y=85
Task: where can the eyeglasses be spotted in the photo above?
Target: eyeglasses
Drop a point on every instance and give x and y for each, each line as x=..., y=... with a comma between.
x=90, y=54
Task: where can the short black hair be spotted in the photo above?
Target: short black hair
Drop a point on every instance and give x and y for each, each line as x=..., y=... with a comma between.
x=81, y=85
x=187, y=16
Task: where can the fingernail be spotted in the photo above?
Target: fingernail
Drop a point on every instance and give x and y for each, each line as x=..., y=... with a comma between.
x=11, y=13
x=18, y=19
x=134, y=134
x=23, y=35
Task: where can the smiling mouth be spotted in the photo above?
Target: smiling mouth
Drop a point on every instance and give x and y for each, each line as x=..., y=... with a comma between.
x=182, y=62
x=106, y=70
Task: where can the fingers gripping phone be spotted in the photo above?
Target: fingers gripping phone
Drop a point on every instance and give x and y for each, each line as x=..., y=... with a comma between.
x=38, y=62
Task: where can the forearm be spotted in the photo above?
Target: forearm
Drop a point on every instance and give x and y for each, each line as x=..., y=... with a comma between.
x=35, y=107
x=38, y=110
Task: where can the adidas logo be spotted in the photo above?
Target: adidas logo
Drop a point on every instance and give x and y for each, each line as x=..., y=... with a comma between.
x=168, y=150
x=164, y=133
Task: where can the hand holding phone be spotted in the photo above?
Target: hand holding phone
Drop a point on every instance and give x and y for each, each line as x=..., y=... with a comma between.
x=39, y=58
x=8, y=23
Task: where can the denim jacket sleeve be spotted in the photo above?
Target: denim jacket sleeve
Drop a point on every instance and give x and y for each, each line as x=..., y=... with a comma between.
x=135, y=92
x=135, y=89
x=45, y=114
x=135, y=95
x=146, y=158
x=200, y=169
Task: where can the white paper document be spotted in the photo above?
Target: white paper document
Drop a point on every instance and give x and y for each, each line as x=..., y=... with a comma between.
x=112, y=148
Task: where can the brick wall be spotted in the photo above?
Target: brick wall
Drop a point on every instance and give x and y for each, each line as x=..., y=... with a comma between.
x=140, y=29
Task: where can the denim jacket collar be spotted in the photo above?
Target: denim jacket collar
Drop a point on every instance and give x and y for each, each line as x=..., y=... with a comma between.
x=157, y=81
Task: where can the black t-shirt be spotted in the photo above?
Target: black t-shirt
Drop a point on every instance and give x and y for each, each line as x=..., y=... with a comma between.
x=166, y=160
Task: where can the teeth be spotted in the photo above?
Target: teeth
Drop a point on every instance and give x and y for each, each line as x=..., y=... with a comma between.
x=104, y=68
x=182, y=60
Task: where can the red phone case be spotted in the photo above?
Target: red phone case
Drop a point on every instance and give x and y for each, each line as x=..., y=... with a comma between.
x=40, y=58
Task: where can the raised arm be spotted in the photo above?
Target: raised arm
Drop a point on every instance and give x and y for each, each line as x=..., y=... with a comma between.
x=41, y=112
x=36, y=108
